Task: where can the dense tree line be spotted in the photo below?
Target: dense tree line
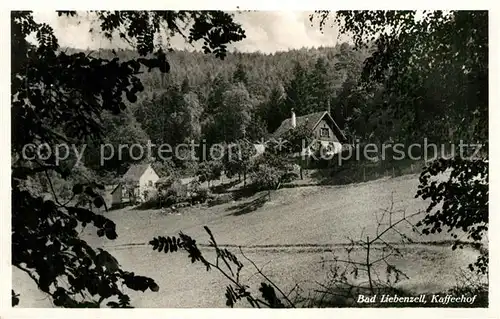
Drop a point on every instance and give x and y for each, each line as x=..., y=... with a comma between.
x=246, y=96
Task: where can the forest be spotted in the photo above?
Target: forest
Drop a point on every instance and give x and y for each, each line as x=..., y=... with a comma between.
x=247, y=95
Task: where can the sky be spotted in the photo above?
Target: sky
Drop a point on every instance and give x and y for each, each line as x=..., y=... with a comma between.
x=266, y=31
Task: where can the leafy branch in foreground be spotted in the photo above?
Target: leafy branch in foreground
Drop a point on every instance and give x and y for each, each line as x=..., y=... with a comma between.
x=230, y=267
x=412, y=51
x=459, y=202
x=59, y=98
x=60, y=263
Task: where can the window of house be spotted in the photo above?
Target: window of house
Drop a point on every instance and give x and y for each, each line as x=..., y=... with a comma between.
x=324, y=132
x=150, y=183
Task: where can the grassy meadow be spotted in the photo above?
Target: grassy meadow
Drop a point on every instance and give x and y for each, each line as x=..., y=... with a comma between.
x=291, y=235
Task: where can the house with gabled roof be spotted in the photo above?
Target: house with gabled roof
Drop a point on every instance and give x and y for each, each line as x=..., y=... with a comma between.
x=135, y=184
x=324, y=131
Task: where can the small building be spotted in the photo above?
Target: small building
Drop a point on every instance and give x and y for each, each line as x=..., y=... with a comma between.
x=135, y=185
x=324, y=131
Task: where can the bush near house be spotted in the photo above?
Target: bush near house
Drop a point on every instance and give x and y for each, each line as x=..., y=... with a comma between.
x=197, y=194
x=171, y=191
x=271, y=171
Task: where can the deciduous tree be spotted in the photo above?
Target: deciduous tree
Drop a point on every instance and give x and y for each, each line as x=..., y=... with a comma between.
x=59, y=98
x=433, y=74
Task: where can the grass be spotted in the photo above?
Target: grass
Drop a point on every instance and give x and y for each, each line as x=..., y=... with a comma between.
x=362, y=171
x=291, y=234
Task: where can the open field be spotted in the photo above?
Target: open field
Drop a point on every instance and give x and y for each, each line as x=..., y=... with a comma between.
x=290, y=234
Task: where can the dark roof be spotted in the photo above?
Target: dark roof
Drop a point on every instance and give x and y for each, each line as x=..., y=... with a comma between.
x=135, y=172
x=310, y=121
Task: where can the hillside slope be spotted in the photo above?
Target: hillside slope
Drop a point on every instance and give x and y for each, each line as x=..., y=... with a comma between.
x=291, y=234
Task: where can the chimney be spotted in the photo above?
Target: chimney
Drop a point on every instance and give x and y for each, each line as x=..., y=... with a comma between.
x=329, y=108
x=294, y=120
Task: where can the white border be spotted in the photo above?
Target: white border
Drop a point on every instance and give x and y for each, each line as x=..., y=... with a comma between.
x=295, y=5
x=289, y=5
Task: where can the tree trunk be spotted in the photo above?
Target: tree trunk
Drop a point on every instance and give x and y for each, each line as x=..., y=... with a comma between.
x=301, y=162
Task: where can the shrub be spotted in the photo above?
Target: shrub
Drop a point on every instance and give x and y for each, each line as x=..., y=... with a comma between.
x=267, y=176
x=270, y=171
x=289, y=177
x=221, y=199
x=171, y=191
x=151, y=203
x=200, y=196
x=150, y=194
x=177, y=189
x=209, y=171
x=164, y=183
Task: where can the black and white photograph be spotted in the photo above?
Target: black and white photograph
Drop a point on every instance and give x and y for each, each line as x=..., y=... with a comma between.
x=249, y=159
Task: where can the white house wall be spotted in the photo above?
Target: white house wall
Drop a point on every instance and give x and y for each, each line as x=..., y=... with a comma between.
x=147, y=176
